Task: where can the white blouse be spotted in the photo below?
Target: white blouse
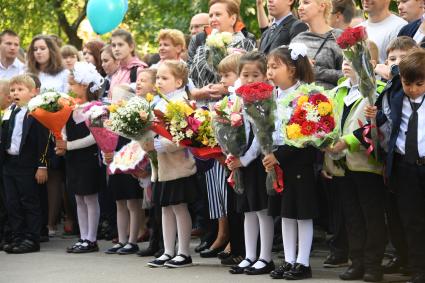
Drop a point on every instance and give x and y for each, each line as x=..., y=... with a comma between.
x=58, y=82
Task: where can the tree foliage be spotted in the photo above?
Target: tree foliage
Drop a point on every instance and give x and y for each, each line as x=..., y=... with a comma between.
x=144, y=17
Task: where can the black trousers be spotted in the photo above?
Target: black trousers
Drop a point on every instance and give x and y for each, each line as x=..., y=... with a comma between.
x=22, y=200
x=236, y=222
x=3, y=210
x=408, y=181
x=338, y=242
x=362, y=197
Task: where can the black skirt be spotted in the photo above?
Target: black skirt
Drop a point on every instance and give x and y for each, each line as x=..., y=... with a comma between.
x=255, y=196
x=85, y=177
x=124, y=186
x=177, y=191
x=299, y=198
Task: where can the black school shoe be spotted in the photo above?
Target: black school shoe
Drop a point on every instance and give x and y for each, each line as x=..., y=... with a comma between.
x=333, y=261
x=298, y=272
x=159, y=262
x=74, y=246
x=279, y=273
x=128, y=249
x=114, y=248
x=8, y=246
x=269, y=267
x=86, y=247
x=187, y=261
x=240, y=270
x=232, y=260
x=26, y=246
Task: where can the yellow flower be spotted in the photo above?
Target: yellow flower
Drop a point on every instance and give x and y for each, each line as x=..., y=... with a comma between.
x=149, y=97
x=324, y=108
x=112, y=108
x=302, y=99
x=205, y=141
x=293, y=131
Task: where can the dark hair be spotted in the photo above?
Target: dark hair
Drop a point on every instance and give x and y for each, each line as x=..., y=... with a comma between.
x=35, y=79
x=127, y=37
x=151, y=58
x=401, y=43
x=303, y=69
x=347, y=8
x=54, y=65
x=91, y=96
x=8, y=32
x=253, y=57
x=412, y=66
x=95, y=47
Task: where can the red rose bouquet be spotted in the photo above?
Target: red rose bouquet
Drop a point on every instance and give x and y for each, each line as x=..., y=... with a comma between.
x=260, y=106
x=229, y=129
x=308, y=117
x=353, y=41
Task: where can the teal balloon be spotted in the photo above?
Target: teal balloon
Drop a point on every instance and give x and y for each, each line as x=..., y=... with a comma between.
x=105, y=15
x=125, y=5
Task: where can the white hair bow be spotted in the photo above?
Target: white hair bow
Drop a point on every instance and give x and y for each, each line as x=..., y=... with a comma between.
x=86, y=73
x=297, y=49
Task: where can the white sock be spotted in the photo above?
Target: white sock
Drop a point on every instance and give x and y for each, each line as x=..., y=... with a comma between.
x=184, y=228
x=93, y=212
x=251, y=229
x=134, y=207
x=289, y=236
x=82, y=216
x=169, y=230
x=122, y=221
x=305, y=238
x=266, y=238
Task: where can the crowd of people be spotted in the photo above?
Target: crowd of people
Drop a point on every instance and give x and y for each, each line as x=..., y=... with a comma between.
x=367, y=207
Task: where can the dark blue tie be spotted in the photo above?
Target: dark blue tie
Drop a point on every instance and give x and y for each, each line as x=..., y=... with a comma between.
x=411, y=147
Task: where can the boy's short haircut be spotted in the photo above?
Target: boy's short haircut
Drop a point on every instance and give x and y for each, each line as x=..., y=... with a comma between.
x=412, y=66
x=4, y=86
x=404, y=43
x=8, y=32
x=25, y=80
x=36, y=80
x=373, y=50
x=229, y=64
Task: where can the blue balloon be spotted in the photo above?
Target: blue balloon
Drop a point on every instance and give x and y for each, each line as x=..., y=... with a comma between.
x=105, y=15
x=125, y=5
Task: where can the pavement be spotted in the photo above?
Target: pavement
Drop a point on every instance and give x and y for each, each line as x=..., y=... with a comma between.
x=54, y=265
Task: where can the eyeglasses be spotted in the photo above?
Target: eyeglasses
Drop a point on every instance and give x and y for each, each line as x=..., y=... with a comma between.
x=197, y=26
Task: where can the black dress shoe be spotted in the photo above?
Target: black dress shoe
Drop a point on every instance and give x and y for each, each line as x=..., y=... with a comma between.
x=375, y=276
x=269, y=267
x=298, y=272
x=223, y=255
x=114, y=248
x=239, y=270
x=394, y=266
x=279, y=272
x=333, y=261
x=74, y=246
x=232, y=260
x=209, y=253
x=128, y=249
x=187, y=261
x=352, y=273
x=86, y=247
x=202, y=246
x=159, y=262
x=26, y=246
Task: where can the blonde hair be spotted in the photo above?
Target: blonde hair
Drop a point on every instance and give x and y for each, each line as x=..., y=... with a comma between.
x=25, y=80
x=4, y=87
x=178, y=69
x=328, y=8
x=229, y=64
x=68, y=51
x=176, y=37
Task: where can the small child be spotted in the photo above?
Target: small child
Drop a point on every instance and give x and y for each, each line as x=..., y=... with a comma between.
x=177, y=182
x=146, y=84
x=254, y=201
x=23, y=153
x=228, y=70
x=83, y=173
x=288, y=67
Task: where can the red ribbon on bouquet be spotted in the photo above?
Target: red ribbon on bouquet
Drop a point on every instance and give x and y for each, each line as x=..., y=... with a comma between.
x=230, y=180
x=278, y=184
x=366, y=131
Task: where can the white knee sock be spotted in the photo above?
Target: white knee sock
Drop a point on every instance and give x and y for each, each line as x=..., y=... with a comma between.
x=266, y=237
x=251, y=229
x=169, y=231
x=134, y=206
x=184, y=228
x=82, y=217
x=93, y=212
x=122, y=221
x=305, y=238
x=289, y=236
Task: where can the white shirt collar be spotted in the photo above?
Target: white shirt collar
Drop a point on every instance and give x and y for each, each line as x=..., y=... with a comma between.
x=283, y=92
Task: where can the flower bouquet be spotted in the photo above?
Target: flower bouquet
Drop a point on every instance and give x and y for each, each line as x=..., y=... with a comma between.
x=130, y=159
x=260, y=105
x=228, y=124
x=216, y=47
x=189, y=126
x=131, y=119
x=353, y=41
x=308, y=118
x=52, y=109
x=97, y=114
